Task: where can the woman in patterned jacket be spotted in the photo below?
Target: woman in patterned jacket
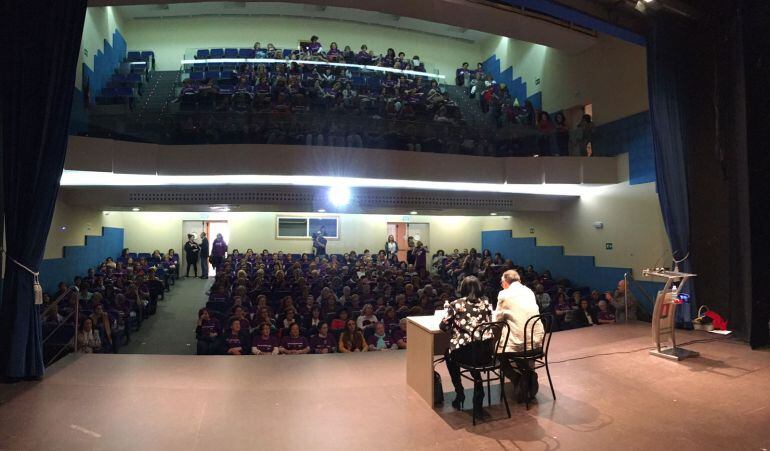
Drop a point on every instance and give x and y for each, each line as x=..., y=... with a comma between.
x=462, y=317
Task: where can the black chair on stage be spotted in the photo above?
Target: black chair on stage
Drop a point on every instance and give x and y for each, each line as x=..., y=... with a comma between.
x=532, y=359
x=486, y=359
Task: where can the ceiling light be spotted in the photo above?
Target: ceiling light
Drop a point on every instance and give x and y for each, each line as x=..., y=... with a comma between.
x=321, y=210
x=493, y=214
x=640, y=6
x=93, y=178
x=135, y=209
x=339, y=195
x=412, y=212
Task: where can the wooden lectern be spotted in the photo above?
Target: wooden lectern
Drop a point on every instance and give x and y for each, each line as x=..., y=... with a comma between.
x=664, y=314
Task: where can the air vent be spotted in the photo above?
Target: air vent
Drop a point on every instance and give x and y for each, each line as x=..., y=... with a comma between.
x=432, y=201
x=219, y=198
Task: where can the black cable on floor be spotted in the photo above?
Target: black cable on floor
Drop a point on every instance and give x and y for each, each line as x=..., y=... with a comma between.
x=646, y=348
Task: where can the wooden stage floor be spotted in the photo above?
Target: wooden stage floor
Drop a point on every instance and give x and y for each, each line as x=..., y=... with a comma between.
x=624, y=401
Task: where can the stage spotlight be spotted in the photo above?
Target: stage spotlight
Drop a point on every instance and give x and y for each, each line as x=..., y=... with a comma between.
x=339, y=196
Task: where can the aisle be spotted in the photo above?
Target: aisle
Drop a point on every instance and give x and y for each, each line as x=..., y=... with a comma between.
x=172, y=329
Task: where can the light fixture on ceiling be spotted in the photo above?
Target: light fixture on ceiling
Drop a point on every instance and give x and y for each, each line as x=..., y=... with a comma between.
x=339, y=195
x=412, y=212
x=493, y=214
x=135, y=209
x=321, y=210
x=641, y=5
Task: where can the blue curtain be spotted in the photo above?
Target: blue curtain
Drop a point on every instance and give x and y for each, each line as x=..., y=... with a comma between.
x=666, y=46
x=42, y=40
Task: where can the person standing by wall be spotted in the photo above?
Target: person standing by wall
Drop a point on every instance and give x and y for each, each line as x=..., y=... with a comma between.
x=204, y=256
x=218, y=251
x=191, y=250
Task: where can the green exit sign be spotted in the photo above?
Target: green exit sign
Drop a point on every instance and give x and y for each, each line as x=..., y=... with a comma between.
x=608, y=246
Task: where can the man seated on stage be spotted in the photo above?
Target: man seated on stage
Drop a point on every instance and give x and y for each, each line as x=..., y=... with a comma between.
x=516, y=304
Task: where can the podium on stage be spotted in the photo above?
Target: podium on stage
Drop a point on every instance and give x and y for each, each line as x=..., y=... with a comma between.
x=664, y=314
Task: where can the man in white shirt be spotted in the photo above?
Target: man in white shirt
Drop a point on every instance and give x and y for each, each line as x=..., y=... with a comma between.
x=516, y=304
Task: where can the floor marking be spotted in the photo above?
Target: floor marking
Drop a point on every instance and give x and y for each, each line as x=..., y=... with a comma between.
x=85, y=431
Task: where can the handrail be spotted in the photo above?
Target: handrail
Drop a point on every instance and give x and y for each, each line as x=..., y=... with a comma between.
x=187, y=62
x=76, y=312
x=628, y=277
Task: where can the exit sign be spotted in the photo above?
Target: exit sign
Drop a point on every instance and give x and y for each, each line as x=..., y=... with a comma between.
x=608, y=246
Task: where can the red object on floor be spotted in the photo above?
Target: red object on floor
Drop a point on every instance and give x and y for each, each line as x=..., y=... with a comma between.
x=718, y=322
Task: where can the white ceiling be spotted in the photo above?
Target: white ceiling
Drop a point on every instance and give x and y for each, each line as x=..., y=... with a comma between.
x=204, y=9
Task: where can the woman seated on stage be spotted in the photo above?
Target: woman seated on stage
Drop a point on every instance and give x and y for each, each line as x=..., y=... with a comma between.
x=294, y=342
x=351, y=339
x=263, y=342
x=379, y=340
x=462, y=317
x=323, y=342
x=236, y=340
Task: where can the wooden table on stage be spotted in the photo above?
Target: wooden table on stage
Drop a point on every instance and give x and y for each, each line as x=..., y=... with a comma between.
x=426, y=341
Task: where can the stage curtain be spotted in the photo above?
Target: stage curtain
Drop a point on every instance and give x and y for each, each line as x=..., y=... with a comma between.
x=666, y=46
x=41, y=42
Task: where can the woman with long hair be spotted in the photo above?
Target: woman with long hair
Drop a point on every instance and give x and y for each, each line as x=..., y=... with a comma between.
x=462, y=317
x=351, y=339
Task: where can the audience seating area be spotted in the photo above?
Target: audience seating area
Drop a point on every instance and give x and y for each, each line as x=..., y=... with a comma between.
x=117, y=296
x=129, y=79
x=279, y=289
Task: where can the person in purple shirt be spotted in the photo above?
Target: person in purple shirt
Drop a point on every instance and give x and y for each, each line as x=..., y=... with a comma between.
x=206, y=332
x=379, y=341
x=263, y=343
x=218, y=251
x=294, y=342
x=323, y=342
x=314, y=47
x=399, y=335
x=236, y=341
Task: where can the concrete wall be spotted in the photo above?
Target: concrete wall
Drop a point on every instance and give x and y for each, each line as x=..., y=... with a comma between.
x=71, y=224
x=631, y=218
x=611, y=75
x=99, y=26
x=147, y=231
x=170, y=38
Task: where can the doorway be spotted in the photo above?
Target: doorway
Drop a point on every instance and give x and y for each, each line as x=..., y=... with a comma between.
x=212, y=228
x=402, y=230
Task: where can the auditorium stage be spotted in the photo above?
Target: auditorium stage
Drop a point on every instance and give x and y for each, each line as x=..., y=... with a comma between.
x=361, y=402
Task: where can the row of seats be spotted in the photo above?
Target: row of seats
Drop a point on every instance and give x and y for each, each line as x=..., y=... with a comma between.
x=218, y=53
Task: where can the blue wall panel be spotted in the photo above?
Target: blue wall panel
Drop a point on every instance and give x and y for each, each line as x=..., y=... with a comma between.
x=516, y=86
x=631, y=135
x=579, y=270
x=77, y=259
x=105, y=62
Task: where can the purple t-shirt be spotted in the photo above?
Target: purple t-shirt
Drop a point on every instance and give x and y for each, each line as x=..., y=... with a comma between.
x=233, y=341
x=218, y=248
x=318, y=343
x=374, y=339
x=209, y=327
x=398, y=334
x=265, y=345
x=606, y=316
x=294, y=344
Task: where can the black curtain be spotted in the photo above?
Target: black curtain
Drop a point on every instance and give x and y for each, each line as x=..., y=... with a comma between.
x=756, y=57
x=41, y=41
x=667, y=86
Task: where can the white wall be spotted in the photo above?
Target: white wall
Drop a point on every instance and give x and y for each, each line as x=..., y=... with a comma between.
x=611, y=75
x=147, y=231
x=171, y=37
x=100, y=24
x=632, y=219
x=71, y=224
